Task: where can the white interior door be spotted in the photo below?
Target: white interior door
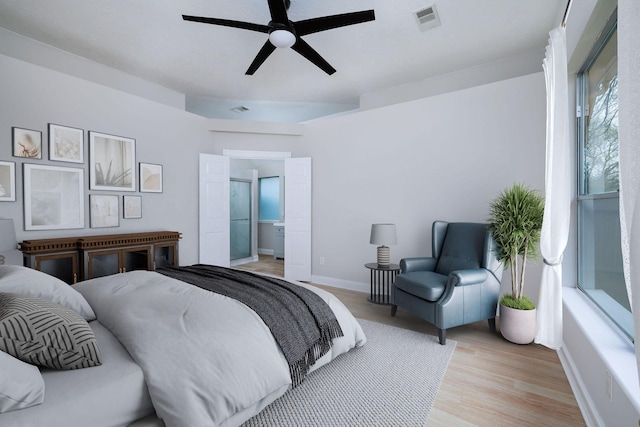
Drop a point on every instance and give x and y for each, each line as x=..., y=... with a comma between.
x=297, y=218
x=214, y=210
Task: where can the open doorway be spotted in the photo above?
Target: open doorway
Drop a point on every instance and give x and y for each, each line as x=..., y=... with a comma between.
x=214, y=206
x=266, y=264
x=255, y=208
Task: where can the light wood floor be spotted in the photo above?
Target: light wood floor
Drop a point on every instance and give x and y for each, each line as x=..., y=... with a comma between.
x=489, y=382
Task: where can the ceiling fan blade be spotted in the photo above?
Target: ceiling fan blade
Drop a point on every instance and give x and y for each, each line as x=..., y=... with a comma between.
x=308, y=52
x=264, y=53
x=314, y=25
x=228, y=23
x=278, y=10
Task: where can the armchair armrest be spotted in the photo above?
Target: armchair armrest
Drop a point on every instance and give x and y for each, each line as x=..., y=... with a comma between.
x=408, y=265
x=467, y=277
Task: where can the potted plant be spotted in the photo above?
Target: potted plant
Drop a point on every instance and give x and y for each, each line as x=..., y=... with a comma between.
x=515, y=220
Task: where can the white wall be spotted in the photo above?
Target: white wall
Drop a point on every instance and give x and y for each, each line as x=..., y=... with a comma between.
x=32, y=96
x=444, y=157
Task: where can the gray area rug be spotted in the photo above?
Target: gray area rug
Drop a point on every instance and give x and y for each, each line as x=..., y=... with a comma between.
x=392, y=380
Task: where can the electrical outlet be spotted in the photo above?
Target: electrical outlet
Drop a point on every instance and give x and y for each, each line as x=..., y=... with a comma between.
x=321, y=260
x=609, y=387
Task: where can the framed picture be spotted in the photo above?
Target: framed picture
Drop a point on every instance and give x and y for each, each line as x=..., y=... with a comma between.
x=66, y=144
x=112, y=162
x=103, y=211
x=53, y=197
x=27, y=143
x=150, y=178
x=132, y=206
x=7, y=181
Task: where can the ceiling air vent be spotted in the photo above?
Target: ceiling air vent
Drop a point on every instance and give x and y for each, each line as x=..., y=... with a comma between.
x=427, y=17
x=240, y=109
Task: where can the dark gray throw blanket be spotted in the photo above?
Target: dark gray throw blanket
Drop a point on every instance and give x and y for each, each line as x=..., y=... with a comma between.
x=301, y=322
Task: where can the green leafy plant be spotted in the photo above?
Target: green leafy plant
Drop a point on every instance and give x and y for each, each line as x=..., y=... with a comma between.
x=522, y=303
x=515, y=220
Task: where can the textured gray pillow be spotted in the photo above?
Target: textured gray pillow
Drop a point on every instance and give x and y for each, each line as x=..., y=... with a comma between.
x=43, y=333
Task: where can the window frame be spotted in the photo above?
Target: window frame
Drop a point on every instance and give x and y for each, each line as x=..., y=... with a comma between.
x=269, y=221
x=618, y=315
x=582, y=93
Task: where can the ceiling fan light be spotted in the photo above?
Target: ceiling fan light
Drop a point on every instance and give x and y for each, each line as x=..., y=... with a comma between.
x=282, y=38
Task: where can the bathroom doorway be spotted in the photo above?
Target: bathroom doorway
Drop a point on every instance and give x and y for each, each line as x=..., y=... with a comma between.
x=260, y=229
x=214, y=225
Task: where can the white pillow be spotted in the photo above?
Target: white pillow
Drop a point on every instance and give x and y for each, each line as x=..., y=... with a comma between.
x=33, y=283
x=21, y=384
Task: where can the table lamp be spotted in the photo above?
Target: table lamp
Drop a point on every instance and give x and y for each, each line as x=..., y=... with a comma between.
x=383, y=235
x=9, y=253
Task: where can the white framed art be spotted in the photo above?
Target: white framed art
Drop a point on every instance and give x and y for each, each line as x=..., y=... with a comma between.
x=132, y=206
x=66, y=144
x=150, y=178
x=53, y=197
x=26, y=143
x=103, y=211
x=112, y=162
x=7, y=181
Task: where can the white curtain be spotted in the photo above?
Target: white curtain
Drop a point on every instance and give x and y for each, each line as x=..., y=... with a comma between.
x=558, y=184
x=629, y=153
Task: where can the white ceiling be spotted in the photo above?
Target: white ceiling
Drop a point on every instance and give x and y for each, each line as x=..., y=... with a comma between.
x=149, y=39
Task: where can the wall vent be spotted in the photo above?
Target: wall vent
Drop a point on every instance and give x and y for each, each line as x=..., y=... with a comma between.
x=427, y=17
x=240, y=109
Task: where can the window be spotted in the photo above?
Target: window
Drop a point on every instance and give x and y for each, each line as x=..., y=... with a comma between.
x=600, y=271
x=269, y=199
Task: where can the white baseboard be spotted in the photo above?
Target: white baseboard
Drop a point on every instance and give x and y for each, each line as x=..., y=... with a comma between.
x=580, y=391
x=340, y=283
x=265, y=251
x=241, y=261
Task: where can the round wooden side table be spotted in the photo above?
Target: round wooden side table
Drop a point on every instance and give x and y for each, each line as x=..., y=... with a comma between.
x=381, y=279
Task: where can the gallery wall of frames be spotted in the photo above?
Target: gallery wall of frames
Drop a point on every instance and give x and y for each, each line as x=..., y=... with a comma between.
x=54, y=191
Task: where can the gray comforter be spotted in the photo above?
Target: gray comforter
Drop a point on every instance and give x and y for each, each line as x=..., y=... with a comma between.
x=301, y=322
x=208, y=360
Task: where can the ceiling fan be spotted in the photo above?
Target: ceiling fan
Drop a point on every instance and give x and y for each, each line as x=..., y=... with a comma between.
x=285, y=33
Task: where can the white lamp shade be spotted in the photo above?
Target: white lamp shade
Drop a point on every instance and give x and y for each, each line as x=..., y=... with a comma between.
x=8, y=241
x=282, y=38
x=383, y=234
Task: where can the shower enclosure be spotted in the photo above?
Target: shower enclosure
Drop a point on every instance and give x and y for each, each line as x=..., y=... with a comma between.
x=240, y=210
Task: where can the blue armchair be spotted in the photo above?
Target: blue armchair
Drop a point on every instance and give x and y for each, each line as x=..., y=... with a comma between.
x=459, y=284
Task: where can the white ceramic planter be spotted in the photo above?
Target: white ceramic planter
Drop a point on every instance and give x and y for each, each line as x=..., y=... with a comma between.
x=517, y=326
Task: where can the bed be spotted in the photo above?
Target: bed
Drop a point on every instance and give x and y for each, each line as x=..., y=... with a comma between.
x=167, y=348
